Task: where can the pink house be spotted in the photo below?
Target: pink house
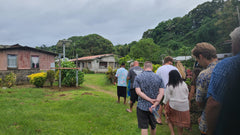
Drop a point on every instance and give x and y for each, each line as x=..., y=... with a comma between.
x=23, y=59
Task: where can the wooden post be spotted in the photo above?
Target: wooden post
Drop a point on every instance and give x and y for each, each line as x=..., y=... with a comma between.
x=59, y=79
x=77, y=70
x=238, y=16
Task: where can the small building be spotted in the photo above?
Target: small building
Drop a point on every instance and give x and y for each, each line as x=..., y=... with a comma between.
x=23, y=61
x=220, y=56
x=97, y=63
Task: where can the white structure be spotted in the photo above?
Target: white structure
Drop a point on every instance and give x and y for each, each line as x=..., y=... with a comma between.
x=220, y=56
x=97, y=63
x=182, y=58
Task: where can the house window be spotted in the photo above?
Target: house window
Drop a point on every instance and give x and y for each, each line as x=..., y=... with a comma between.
x=34, y=61
x=89, y=65
x=12, y=61
x=103, y=65
x=83, y=65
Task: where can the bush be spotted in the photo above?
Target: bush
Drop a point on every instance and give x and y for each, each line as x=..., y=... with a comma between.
x=70, y=78
x=10, y=80
x=155, y=67
x=51, y=76
x=111, y=74
x=38, y=79
x=87, y=71
x=0, y=82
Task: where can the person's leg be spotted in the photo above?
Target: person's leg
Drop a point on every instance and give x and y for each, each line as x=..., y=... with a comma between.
x=144, y=131
x=132, y=100
x=118, y=100
x=143, y=121
x=180, y=130
x=171, y=128
x=160, y=114
x=124, y=100
x=153, y=131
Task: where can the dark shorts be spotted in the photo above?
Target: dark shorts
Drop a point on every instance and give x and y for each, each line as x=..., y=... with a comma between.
x=121, y=91
x=145, y=118
x=133, y=95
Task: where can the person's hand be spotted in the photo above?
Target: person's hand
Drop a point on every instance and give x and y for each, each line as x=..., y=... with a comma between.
x=153, y=106
x=152, y=101
x=199, y=119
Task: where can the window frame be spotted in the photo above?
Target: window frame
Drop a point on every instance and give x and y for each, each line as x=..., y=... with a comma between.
x=16, y=62
x=31, y=62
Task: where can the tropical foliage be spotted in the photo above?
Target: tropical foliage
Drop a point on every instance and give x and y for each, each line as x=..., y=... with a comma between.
x=10, y=80
x=68, y=76
x=38, y=79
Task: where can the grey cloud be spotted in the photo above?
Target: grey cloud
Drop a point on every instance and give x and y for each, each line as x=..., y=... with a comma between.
x=37, y=22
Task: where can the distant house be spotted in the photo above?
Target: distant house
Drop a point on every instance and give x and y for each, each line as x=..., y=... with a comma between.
x=24, y=60
x=220, y=56
x=97, y=63
x=182, y=58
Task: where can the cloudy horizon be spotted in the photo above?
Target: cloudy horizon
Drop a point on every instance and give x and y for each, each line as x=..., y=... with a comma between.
x=37, y=22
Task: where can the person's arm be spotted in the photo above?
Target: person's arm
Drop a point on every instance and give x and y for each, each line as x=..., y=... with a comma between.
x=212, y=112
x=144, y=96
x=159, y=98
x=191, y=93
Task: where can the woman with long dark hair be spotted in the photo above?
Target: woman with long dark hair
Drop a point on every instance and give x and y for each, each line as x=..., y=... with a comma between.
x=177, y=108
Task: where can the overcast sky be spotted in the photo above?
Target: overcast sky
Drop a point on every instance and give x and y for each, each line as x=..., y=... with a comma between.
x=37, y=22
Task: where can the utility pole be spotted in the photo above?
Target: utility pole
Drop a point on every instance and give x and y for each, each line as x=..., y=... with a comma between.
x=64, y=43
x=238, y=16
x=59, y=77
x=77, y=70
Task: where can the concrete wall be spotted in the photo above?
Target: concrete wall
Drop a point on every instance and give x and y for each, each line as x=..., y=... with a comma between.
x=21, y=75
x=24, y=59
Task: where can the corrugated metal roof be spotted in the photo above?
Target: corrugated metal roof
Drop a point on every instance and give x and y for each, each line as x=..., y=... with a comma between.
x=17, y=46
x=92, y=57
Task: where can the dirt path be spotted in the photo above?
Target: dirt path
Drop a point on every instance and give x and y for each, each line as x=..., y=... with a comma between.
x=101, y=90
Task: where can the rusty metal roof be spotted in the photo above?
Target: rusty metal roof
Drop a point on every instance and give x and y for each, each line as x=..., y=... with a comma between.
x=92, y=57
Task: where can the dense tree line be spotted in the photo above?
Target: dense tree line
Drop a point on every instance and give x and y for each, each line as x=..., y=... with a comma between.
x=209, y=22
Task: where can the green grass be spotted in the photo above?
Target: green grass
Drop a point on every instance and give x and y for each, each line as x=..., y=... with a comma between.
x=82, y=111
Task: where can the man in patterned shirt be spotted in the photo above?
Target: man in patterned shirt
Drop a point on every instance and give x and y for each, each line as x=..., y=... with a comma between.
x=206, y=56
x=149, y=88
x=121, y=76
x=223, y=93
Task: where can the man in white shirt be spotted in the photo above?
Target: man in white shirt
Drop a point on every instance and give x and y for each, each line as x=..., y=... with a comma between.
x=163, y=72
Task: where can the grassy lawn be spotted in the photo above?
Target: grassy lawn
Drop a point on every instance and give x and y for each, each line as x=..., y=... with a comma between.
x=88, y=110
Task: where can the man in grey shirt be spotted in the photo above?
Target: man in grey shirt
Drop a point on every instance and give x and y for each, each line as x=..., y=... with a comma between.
x=133, y=72
x=149, y=87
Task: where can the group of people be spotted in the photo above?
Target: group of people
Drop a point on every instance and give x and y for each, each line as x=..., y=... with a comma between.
x=215, y=89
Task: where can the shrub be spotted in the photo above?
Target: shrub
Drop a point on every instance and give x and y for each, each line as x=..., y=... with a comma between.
x=155, y=67
x=38, y=79
x=10, y=80
x=87, y=71
x=111, y=74
x=70, y=78
x=0, y=82
x=51, y=76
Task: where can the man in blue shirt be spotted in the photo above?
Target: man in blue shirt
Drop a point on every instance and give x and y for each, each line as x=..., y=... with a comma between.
x=149, y=88
x=121, y=76
x=223, y=93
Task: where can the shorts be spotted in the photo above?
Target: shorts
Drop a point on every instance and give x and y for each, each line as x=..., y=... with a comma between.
x=133, y=95
x=145, y=118
x=121, y=91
